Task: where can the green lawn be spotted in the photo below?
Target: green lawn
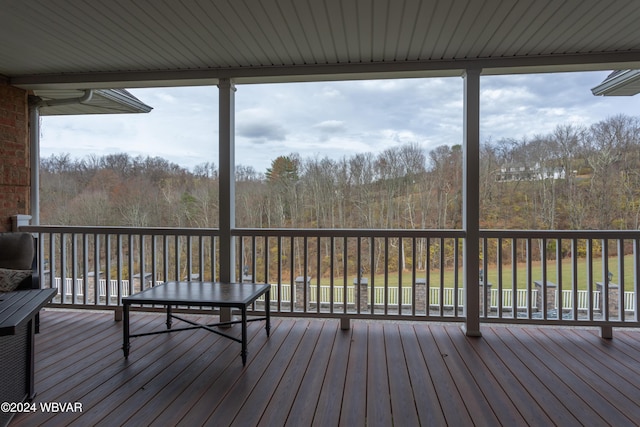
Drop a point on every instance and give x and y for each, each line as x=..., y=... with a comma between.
x=536, y=274
x=567, y=272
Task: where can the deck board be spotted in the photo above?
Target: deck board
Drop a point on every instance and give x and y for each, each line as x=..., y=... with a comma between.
x=428, y=408
x=353, y=410
x=232, y=386
x=329, y=405
x=461, y=371
x=403, y=403
x=514, y=385
x=289, y=385
x=451, y=403
x=377, y=396
x=310, y=372
x=310, y=389
x=204, y=382
x=618, y=390
x=280, y=380
x=562, y=385
x=485, y=386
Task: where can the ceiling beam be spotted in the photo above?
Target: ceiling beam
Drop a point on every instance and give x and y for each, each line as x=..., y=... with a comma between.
x=324, y=72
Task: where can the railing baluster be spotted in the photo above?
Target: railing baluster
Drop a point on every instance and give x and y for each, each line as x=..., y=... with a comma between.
x=85, y=268
x=176, y=248
x=529, y=244
x=543, y=264
x=590, y=278
x=413, y=276
x=441, y=267
x=456, y=276
x=500, y=277
x=96, y=267
x=574, y=276
x=266, y=259
x=318, y=274
x=332, y=296
x=560, y=298
x=165, y=258
x=292, y=283
x=279, y=267
x=154, y=259
x=201, y=275
x=515, y=301
x=74, y=268
x=400, y=257
x=345, y=274
x=107, y=251
x=189, y=258
x=372, y=274
x=621, y=281
x=386, y=275
x=214, y=264
x=604, y=295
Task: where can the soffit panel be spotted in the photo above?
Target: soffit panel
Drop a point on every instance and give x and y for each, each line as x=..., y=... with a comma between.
x=64, y=37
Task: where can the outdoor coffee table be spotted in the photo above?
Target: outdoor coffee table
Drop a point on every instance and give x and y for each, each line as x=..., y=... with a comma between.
x=202, y=294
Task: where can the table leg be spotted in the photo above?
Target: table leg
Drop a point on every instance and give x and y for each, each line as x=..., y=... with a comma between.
x=125, y=329
x=169, y=321
x=243, y=353
x=267, y=309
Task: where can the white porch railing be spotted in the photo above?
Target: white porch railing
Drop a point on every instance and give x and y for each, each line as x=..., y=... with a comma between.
x=392, y=298
x=79, y=288
x=533, y=276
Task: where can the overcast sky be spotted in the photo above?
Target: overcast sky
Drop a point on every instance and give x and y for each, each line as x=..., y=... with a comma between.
x=333, y=119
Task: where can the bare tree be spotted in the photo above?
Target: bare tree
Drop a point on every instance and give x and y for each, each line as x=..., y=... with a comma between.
x=609, y=142
x=446, y=171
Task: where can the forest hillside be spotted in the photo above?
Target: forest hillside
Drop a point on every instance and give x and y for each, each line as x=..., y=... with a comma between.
x=573, y=178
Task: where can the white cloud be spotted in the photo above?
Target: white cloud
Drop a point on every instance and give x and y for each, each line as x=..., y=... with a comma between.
x=164, y=97
x=334, y=119
x=498, y=95
x=329, y=92
x=330, y=126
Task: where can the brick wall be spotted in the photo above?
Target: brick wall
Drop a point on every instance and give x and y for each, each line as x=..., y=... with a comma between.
x=14, y=154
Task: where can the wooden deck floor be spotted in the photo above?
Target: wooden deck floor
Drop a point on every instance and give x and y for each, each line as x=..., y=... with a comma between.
x=309, y=372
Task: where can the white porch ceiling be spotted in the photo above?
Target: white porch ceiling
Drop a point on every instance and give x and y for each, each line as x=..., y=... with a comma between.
x=48, y=44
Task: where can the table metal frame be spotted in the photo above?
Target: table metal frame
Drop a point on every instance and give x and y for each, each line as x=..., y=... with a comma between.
x=201, y=294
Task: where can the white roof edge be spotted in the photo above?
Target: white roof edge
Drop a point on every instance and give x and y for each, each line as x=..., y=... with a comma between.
x=619, y=83
x=103, y=101
x=122, y=96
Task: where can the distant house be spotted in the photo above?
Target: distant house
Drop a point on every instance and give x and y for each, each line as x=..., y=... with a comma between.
x=521, y=172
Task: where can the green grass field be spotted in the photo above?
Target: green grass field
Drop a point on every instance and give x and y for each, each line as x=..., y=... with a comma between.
x=521, y=274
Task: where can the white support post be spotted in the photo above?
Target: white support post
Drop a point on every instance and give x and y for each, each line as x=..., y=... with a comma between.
x=227, y=192
x=471, y=201
x=34, y=155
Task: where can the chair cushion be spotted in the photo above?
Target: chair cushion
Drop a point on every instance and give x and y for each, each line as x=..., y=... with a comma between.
x=10, y=279
x=16, y=250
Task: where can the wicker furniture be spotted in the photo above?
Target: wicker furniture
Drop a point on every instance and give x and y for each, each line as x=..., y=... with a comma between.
x=18, y=310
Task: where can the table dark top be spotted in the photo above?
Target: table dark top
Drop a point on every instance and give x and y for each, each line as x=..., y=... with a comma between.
x=200, y=293
x=18, y=307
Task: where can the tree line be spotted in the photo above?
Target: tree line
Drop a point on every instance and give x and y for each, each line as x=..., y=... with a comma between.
x=572, y=178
